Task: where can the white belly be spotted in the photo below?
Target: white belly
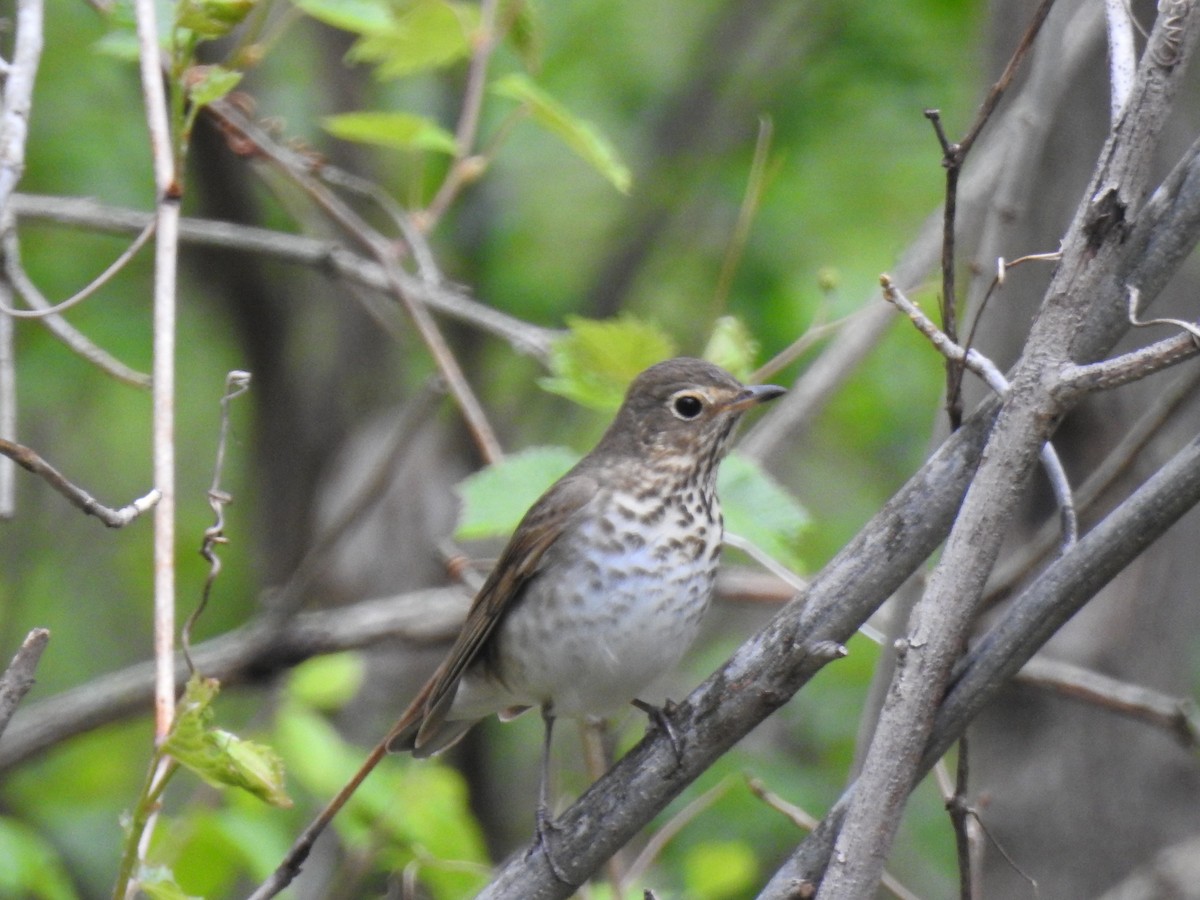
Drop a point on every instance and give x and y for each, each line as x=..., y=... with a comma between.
x=597, y=628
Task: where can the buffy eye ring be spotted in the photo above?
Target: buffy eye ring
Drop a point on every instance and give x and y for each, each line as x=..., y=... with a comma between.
x=687, y=406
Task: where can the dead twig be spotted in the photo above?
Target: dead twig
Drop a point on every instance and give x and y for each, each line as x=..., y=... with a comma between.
x=18, y=677
x=114, y=518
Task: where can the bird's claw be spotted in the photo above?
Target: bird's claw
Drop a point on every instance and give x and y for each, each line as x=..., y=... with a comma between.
x=541, y=839
x=660, y=716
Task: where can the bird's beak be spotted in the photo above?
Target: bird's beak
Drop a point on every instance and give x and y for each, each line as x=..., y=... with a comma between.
x=754, y=395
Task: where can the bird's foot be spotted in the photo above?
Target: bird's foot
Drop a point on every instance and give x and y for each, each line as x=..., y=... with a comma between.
x=543, y=829
x=660, y=716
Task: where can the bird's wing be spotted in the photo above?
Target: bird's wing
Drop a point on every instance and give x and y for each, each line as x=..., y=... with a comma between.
x=420, y=727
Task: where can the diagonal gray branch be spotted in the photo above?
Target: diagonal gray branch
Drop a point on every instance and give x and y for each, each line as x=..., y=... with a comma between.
x=1055, y=596
x=1084, y=290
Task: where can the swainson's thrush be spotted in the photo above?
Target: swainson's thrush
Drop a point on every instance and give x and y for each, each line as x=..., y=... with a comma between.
x=602, y=586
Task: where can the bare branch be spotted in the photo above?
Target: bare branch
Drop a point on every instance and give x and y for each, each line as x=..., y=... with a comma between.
x=87, y=290
x=447, y=299
x=14, y=128
x=18, y=677
x=248, y=654
x=297, y=170
x=983, y=367
x=167, y=194
x=1082, y=287
x=1041, y=609
x=113, y=518
x=1176, y=715
x=70, y=336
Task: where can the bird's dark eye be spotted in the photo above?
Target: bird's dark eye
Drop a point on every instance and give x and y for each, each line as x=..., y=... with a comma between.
x=687, y=406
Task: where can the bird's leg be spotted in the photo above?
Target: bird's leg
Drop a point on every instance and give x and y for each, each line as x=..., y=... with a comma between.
x=661, y=717
x=544, y=823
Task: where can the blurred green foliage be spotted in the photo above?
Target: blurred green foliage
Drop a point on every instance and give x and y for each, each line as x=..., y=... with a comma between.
x=853, y=170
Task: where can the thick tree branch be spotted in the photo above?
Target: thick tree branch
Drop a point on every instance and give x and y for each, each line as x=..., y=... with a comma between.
x=1040, y=610
x=760, y=677
x=1082, y=288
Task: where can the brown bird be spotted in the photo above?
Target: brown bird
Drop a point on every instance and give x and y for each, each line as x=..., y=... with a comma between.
x=602, y=586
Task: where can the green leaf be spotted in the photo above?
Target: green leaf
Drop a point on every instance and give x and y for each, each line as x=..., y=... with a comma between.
x=401, y=131
x=327, y=682
x=760, y=510
x=208, y=84
x=732, y=346
x=157, y=883
x=221, y=758
x=212, y=18
x=120, y=43
x=581, y=136
x=251, y=766
x=431, y=34
x=715, y=870
x=359, y=16
x=524, y=32
x=595, y=361
x=495, y=498
x=30, y=866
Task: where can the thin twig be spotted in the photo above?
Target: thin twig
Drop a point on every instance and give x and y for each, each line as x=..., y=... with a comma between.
x=663, y=836
x=814, y=334
x=73, y=339
x=8, y=405
x=1017, y=566
x=465, y=166
x=237, y=383
x=88, y=289
x=381, y=249
x=983, y=367
x=960, y=813
x=18, y=677
x=167, y=192
x=953, y=157
x=1177, y=716
x=1135, y=296
x=289, y=868
x=952, y=160
x=751, y=201
x=447, y=299
x=114, y=518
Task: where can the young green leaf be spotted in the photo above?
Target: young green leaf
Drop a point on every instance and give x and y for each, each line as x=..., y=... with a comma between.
x=495, y=498
x=759, y=509
x=595, y=361
x=400, y=131
x=221, y=758
x=208, y=84
x=358, y=16
x=581, y=136
x=732, y=346
x=327, y=682
x=430, y=34
x=212, y=18
x=158, y=883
